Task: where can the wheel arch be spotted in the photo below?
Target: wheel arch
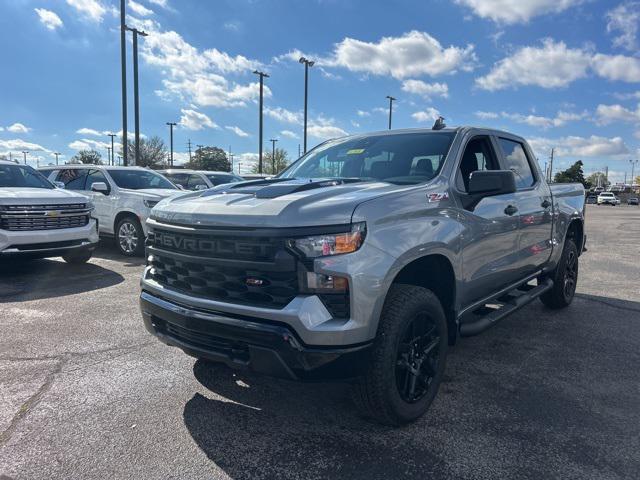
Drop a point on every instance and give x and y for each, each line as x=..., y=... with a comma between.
x=122, y=214
x=575, y=231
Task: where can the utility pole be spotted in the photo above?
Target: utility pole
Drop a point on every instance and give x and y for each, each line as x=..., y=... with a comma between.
x=262, y=77
x=633, y=165
x=111, y=160
x=136, y=96
x=189, y=146
x=56, y=154
x=551, y=166
x=123, y=58
x=24, y=152
x=307, y=63
x=119, y=159
x=391, y=99
x=239, y=167
x=108, y=153
x=231, y=155
x=171, y=125
x=273, y=155
x=299, y=151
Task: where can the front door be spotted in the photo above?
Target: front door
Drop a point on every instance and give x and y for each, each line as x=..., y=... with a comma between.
x=102, y=202
x=489, y=241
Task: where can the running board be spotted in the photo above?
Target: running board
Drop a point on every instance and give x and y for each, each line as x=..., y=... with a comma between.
x=488, y=316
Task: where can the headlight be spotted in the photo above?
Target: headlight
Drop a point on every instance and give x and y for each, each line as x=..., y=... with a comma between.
x=89, y=205
x=150, y=203
x=333, y=244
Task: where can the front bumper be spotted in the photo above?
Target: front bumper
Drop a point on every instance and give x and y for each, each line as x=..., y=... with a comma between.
x=48, y=243
x=263, y=346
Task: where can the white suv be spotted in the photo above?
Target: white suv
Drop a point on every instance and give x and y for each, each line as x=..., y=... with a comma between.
x=608, y=198
x=123, y=198
x=199, y=179
x=38, y=220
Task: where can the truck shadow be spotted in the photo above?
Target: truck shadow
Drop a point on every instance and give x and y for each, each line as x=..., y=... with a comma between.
x=108, y=251
x=40, y=279
x=522, y=386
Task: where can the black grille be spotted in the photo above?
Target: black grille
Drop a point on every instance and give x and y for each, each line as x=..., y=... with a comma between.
x=43, y=217
x=267, y=288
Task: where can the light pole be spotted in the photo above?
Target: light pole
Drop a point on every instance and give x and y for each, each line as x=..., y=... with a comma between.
x=24, y=152
x=123, y=58
x=633, y=165
x=136, y=96
x=262, y=77
x=273, y=155
x=108, y=153
x=56, y=154
x=112, y=135
x=391, y=99
x=307, y=63
x=171, y=125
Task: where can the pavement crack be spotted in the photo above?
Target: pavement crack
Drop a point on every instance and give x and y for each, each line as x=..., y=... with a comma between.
x=608, y=304
x=32, y=401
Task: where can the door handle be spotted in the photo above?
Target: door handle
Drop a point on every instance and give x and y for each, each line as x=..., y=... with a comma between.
x=545, y=204
x=510, y=210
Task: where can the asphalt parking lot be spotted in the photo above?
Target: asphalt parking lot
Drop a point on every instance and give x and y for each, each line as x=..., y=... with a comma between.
x=87, y=393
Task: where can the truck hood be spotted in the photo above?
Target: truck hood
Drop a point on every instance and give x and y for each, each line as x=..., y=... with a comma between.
x=38, y=196
x=272, y=203
x=153, y=193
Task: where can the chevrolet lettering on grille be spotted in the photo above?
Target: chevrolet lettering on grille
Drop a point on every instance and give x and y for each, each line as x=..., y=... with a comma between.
x=208, y=246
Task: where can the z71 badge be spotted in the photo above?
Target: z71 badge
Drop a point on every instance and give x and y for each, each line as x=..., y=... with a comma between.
x=437, y=197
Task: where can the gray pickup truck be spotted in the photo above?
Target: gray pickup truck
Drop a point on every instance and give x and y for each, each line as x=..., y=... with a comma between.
x=365, y=259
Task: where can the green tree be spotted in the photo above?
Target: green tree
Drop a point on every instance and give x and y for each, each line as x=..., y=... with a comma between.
x=269, y=167
x=595, y=178
x=572, y=174
x=153, y=153
x=88, y=157
x=209, y=158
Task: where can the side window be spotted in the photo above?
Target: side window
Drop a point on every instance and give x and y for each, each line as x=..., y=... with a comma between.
x=478, y=155
x=194, y=181
x=179, y=179
x=73, y=178
x=94, y=177
x=517, y=161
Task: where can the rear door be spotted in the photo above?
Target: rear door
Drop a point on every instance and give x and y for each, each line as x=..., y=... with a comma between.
x=102, y=202
x=489, y=240
x=535, y=211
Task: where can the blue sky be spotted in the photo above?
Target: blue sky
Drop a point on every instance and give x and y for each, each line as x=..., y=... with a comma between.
x=562, y=73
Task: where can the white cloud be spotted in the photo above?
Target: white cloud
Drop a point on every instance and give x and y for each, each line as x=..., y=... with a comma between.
x=243, y=163
x=139, y=9
x=49, y=19
x=193, y=120
x=628, y=96
x=516, y=11
x=574, y=146
x=428, y=115
x=18, y=128
x=289, y=134
x=425, y=90
x=284, y=115
x=412, y=54
x=160, y=3
x=624, y=20
x=19, y=145
x=561, y=118
x=90, y=9
x=606, y=114
x=90, y=131
x=237, y=130
x=617, y=67
x=232, y=26
x=88, y=144
x=550, y=66
x=363, y=113
x=325, y=128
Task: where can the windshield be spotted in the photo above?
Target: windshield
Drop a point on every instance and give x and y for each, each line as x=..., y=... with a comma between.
x=220, y=178
x=20, y=176
x=398, y=158
x=140, y=179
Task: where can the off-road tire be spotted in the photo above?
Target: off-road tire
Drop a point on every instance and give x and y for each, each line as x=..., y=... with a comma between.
x=565, y=278
x=377, y=392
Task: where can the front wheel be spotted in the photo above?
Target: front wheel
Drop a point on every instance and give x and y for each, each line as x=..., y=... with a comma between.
x=129, y=237
x=565, y=278
x=408, y=357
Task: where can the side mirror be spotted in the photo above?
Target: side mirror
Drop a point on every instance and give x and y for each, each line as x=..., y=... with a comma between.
x=492, y=182
x=100, y=187
x=59, y=184
x=201, y=187
x=180, y=187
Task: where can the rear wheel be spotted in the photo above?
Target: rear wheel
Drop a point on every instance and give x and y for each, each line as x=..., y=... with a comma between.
x=565, y=278
x=408, y=358
x=79, y=256
x=129, y=236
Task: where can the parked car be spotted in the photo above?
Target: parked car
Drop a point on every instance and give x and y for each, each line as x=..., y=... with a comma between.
x=39, y=220
x=366, y=258
x=199, y=179
x=123, y=198
x=632, y=201
x=591, y=199
x=608, y=198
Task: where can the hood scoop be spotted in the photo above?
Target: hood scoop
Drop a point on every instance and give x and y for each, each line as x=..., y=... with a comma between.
x=277, y=187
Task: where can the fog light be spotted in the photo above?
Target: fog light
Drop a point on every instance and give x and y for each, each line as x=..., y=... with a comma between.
x=321, y=282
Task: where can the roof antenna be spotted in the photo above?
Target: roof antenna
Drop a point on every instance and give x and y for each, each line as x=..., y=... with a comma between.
x=439, y=123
